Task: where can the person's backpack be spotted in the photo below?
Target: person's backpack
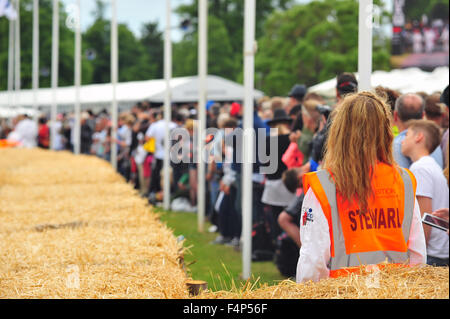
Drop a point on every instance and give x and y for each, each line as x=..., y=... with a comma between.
x=286, y=255
x=262, y=246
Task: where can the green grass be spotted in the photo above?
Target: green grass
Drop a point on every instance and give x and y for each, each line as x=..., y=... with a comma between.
x=219, y=265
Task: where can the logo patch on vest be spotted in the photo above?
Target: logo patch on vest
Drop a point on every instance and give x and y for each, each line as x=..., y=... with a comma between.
x=385, y=192
x=307, y=216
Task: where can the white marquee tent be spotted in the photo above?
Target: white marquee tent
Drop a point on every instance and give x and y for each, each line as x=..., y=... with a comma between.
x=9, y=112
x=409, y=80
x=184, y=89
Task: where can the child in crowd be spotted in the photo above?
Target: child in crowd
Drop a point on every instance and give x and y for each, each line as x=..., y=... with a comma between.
x=422, y=137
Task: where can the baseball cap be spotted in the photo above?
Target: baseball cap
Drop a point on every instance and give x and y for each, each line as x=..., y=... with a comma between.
x=347, y=83
x=298, y=91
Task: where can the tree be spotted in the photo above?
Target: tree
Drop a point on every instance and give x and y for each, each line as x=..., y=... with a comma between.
x=221, y=58
x=153, y=44
x=414, y=9
x=133, y=60
x=66, y=47
x=304, y=43
x=295, y=49
x=97, y=44
x=134, y=63
x=230, y=13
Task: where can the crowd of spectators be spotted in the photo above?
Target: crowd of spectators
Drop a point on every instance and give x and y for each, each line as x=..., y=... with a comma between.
x=294, y=128
x=426, y=36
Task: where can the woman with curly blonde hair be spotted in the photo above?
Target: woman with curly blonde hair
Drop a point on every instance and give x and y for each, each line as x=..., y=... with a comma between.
x=360, y=209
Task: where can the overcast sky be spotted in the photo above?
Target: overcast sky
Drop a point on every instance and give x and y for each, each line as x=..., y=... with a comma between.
x=135, y=13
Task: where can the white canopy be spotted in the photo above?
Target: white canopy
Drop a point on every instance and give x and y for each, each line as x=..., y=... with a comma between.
x=409, y=80
x=7, y=112
x=184, y=89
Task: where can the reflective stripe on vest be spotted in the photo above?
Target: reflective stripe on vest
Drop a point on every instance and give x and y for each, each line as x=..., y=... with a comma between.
x=340, y=258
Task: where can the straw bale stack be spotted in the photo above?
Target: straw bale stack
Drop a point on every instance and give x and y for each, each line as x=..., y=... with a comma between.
x=70, y=227
x=388, y=283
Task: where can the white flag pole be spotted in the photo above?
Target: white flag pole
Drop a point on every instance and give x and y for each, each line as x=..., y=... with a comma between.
x=365, y=45
x=55, y=70
x=35, y=75
x=11, y=62
x=114, y=79
x=202, y=73
x=77, y=124
x=248, y=145
x=167, y=105
x=17, y=56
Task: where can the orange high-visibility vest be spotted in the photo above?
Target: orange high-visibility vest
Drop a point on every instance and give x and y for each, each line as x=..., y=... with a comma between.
x=372, y=238
x=7, y=143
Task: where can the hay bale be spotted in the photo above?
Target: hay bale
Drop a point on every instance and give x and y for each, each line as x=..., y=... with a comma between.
x=70, y=227
x=388, y=283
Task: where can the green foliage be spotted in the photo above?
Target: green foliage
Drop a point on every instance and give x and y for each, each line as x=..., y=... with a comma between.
x=139, y=59
x=414, y=9
x=97, y=39
x=66, y=47
x=310, y=43
x=226, y=36
x=135, y=63
x=221, y=58
x=153, y=45
x=305, y=43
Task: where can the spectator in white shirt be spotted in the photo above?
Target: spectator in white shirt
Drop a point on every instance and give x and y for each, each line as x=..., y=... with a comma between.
x=432, y=189
x=25, y=132
x=157, y=130
x=410, y=107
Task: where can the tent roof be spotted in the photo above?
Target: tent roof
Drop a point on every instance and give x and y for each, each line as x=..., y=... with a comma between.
x=403, y=80
x=184, y=89
x=6, y=112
